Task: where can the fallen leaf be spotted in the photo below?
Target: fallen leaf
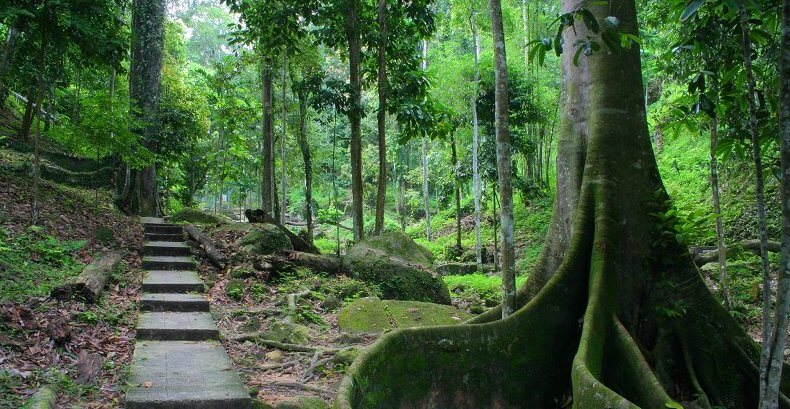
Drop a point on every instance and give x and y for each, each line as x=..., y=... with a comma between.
x=148, y=384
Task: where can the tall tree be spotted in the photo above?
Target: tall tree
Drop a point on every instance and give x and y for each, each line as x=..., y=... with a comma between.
x=778, y=341
x=476, y=143
x=426, y=195
x=283, y=124
x=267, y=174
x=381, y=119
x=144, y=90
x=504, y=162
x=614, y=314
x=352, y=22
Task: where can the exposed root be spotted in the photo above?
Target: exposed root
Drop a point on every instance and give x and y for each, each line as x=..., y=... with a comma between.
x=303, y=386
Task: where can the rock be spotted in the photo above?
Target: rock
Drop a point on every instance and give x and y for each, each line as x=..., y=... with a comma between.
x=251, y=325
x=398, y=266
x=275, y=355
x=288, y=333
x=346, y=356
x=265, y=239
x=235, y=288
x=258, y=404
x=372, y=315
x=104, y=235
x=303, y=403
x=188, y=215
x=254, y=391
x=331, y=303
x=448, y=269
x=243, y=271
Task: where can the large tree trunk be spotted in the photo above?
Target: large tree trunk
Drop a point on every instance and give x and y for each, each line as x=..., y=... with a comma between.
x=614, y=315
x=776, y=344
x=476, y=145
x=754, y=131
x=145, y=90
x=355, y=115
x=504, y=163
x=381, y=196
x=267, y=179
x=8, y=55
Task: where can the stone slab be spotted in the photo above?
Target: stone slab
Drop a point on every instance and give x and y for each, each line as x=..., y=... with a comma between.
x=172, y=281
x=179, y=237
x=166, y=248
x=194, y=375
x=152, y=220
x=174, y=302
x=162, y=228
x=168, y=263
x=176, y=326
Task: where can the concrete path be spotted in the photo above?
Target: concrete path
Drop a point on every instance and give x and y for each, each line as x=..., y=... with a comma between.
x=178, y=362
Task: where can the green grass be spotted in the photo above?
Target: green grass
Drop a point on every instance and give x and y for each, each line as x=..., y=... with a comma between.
x=488, y=288
x=32, y=263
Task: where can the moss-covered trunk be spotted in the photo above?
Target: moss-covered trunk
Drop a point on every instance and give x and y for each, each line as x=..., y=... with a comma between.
x=615, y=315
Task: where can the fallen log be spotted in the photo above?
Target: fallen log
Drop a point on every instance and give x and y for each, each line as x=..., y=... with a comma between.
x=89, y=284
x=286, y=260
x=216, y=258
x=751, y=245
x=44, y=398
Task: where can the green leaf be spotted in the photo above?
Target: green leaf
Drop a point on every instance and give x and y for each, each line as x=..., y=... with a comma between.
x=577, y=55
x=589, y=20
x=673, y=405
x=691, y=9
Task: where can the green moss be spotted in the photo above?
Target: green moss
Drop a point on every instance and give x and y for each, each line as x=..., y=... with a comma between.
x=371, y=315
x=289, y=333
x=188, y=215
x=399, y=244
x=235, y=288
x=265, y=239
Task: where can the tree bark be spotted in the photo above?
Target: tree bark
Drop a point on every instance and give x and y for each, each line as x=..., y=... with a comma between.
x=476, y=144
x=14, y=30
x=145, y=92
x=778, y=341
x=381, y=196
x=613, y=316
x=754, y=131
x=37, y=141
x=90, y=283
x=751, y=245
x=286, y=260
x=283, y=123
x=304, y=145
x=267, y=180
x=27, y=117
x=355, y=116
x=714, y=187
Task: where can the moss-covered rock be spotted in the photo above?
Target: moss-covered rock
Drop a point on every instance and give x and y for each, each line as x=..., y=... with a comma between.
x=345, y=356
x=402, y=274
x=289, y=333
x=235, y=288
x=265, y=239
x=189, y=215
x=456, y=269
x=303, y=403
x=372, y=315
x=104, y=235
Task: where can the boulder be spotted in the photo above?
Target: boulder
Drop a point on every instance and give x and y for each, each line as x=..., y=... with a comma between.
x=448, y=269
x=189, y=215
x=398, y=266
x=288, y=333
x=372, y=315
x=264, y=239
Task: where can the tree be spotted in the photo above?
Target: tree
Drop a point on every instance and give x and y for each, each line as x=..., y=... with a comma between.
x=476, y=142
x=426, y=195
x=381, y=120
x=650, y=331
x=355, y=112
x=142, y=196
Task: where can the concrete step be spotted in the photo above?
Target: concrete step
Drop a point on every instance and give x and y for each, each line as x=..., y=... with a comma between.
x=184, y=375
x=166, y=248
x=165, y=237
x=176, y=326
x=162, y=228
x=174, y=302
x=168, y=263
x=152, y=220
x=172, y=281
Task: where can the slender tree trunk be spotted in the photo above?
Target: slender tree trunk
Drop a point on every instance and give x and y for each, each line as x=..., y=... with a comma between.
x=334, y=180
x=495, y=228
x=37, y=142
x=381, y=119
x=476, y=144
x=7, y=57
x=714, y=184
x=457, y=194
x=27, y=118
x=308, y=164
x=426, y=198
x=145, y=90
x=402, y=189
x=778, y=341
x=355, y=116
x=754, y=130
x=267, y=181
x=283, y=122
x=504, y=163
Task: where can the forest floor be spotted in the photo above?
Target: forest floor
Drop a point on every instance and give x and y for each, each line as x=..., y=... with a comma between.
x=82, y=350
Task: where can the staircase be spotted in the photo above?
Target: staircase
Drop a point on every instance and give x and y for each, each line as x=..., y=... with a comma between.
x=177, y=361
